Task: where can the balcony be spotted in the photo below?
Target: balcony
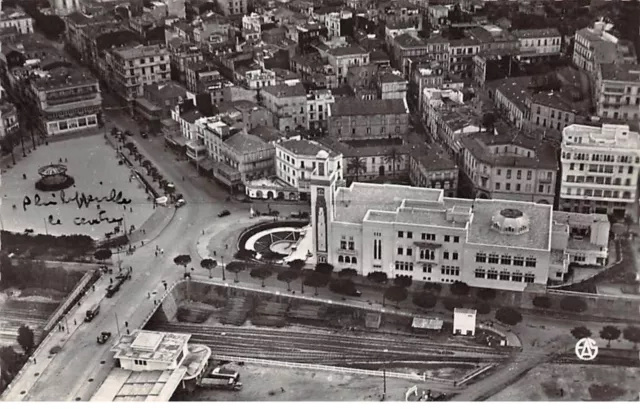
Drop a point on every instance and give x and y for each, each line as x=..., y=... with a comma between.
x=196, y=150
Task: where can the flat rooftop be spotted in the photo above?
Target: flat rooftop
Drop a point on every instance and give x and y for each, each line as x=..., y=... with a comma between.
x=428, y=207
x=151, y=346
x=123, y=385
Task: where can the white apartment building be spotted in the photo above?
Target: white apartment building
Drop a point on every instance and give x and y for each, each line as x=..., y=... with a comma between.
x=600, y=170
x=233, y=7
x=17, y=18
x=134, y=67
x=260, y=78
x=403, y=230
x=341, y=58
x=596, y=45
x=296, y=159
x=617, y=91
x=334, y=22
x=318, y=104
x=539, y=42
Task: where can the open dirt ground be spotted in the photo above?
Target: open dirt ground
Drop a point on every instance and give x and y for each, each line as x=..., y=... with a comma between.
x=574, y=383
x=264, y=383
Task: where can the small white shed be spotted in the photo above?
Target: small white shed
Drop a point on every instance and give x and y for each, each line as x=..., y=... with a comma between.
x=464, y=321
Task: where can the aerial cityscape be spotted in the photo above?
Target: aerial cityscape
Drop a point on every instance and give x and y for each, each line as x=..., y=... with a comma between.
x=319, y=200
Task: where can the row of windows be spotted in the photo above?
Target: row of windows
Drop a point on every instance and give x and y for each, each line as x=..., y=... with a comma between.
x=518, y=187
x=344, y=245
x=347, y=260
x=382, y=130
x=428, y=236
x=404, y=266
x=451, y=270
x=600, y=157
x=493, y=274
x=598, y=193
x=506, y=260
x=140, y=362
x=598, y=180
x=601, y=168
x=519, y=174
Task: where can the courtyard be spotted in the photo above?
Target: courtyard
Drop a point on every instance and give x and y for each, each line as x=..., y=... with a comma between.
x=104, y=198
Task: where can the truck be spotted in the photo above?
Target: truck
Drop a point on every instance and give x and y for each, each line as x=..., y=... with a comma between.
x=221, y=383
x=92, y=311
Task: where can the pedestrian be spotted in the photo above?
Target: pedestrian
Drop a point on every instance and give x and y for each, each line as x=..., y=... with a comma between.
x=34, y=360
x=65, y=160
x=203, y=232
x=127, y=331
x=75, y=322
x=142, y=242
x=131, y=210
x=156, y=252
x=161, y=251
x=126, y=324
x=148, y=295
x=226, y=247
x=165, y=286
x=214, y=253
x=155, y=302
x=125, y=207
x=110, y=280
x=93, y=287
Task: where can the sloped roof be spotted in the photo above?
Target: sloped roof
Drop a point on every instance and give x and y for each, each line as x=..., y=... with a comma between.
x=354, y=106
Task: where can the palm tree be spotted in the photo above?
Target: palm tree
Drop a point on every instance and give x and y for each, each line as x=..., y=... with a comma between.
x=357, y=166
x=392, y=157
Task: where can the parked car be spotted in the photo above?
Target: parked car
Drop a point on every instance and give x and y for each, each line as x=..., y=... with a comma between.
x=180, y=203
x=144, y=135
x=104, y=337
x=224, y=213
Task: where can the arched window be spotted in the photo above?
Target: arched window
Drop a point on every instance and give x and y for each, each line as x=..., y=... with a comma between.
x=354, y=260
x=347, y=259
x=340, y=259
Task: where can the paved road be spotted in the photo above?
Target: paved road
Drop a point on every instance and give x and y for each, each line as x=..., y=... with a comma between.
x=75, y=372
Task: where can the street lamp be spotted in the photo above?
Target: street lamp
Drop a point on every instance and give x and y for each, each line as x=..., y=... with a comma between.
x=384, y=374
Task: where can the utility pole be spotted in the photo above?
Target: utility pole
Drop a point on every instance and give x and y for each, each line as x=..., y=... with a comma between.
x=117, y=325
x=46, y=229
x=222, y=263
x=384, y=374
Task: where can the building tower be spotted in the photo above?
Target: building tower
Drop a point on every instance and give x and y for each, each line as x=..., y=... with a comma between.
x=323, y=183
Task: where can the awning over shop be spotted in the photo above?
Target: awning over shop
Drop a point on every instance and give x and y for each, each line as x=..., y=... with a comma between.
x=179, y=141
x=206, y=165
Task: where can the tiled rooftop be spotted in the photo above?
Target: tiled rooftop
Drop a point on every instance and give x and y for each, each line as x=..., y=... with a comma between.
x=620, y=72
x=346, y=51
x=481, y=146
x=354, y=106
x=246, y=143
x=536, y=33
x=286, y=91
x=140, y=52
x=434, y=158
x=305, y=147
x=63, y=77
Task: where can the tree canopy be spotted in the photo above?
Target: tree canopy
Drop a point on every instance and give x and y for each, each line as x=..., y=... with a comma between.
x=182, y=260
x=324, y=268
x=581, y=332
x=610, y=333
x=261, y=273
x=316, y=280
x=542, y=302
x=632, y=334
x=573, y=304
x=425, y=299
x=297, y=264
x=396, y=294
x=26, y=338
x=102, y=254
x=379, y=277
x=508, y=316
x=486, y=294
x=287, y=276
x=459, y=288
x=347, y=272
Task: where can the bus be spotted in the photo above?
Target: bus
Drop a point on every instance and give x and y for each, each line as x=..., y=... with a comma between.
x=92, y=312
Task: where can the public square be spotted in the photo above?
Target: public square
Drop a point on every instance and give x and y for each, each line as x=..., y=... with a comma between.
x=93, y=164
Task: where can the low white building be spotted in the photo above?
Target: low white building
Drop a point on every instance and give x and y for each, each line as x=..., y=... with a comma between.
x=260, y=78
x=151, y=351
x=464, y=321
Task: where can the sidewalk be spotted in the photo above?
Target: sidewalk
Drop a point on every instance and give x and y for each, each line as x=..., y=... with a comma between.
x=39, y=361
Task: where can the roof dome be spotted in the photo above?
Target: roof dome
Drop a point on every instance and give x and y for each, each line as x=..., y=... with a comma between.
x=510, y=221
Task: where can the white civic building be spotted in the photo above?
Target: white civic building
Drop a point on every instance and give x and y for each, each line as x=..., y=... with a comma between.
x=403, y=230
x=600, y=168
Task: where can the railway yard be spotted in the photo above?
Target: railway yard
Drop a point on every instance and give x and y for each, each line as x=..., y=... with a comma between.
x=354, y=348
x=15, y=312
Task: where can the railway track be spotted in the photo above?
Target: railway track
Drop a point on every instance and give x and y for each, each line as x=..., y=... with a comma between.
x=321, y=347
x=571, y=359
